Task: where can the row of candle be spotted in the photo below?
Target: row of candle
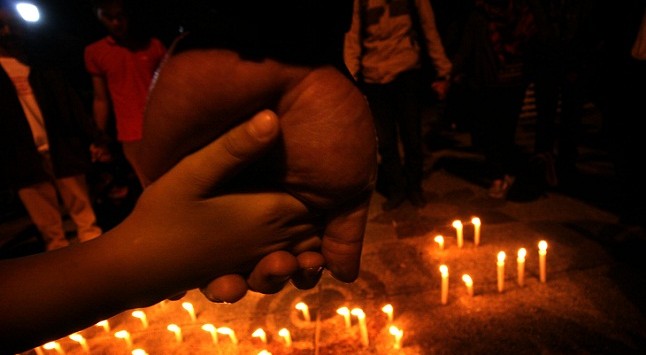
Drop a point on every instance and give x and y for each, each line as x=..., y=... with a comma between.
x=284, y=333
x=520, y=260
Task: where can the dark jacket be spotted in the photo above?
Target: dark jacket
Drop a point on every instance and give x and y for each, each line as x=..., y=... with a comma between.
x=69, y=129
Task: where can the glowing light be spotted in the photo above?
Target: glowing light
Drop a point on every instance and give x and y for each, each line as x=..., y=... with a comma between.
x=363, y=327
x=230, y=333
x=345, y=312
x=177, y=331
x=142, y=316
x=468, y=282
x=398, y=334
x=260, y=333
x=81, y=340
x=444, y=270
x=476, y=230
x=123, y=334
x=501, y=270
x=301, y=306
x=28, y=12
x=212, y=330
x=286, y=335
x=457, y=224
x=542, y=253
x=188, y=306
x=388, y=309
x=440, y=241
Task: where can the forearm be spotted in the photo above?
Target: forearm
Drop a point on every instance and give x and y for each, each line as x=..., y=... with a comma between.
x=50, y=295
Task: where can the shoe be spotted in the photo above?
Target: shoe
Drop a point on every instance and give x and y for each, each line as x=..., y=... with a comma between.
x=500, y=187
x=417, y=198
x=393, y=203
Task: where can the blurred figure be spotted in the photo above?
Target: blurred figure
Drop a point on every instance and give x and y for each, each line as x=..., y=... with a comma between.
x=122, y=66
x=621, y=93
x=382, y=51
x=491, y=63
x=560, y=65
x=45, y=135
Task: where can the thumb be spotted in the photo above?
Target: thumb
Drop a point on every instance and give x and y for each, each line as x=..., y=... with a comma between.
x=207, y=168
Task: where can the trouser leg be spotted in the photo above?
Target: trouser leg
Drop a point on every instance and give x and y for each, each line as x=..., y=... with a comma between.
x=41, y=202
x=76, y=199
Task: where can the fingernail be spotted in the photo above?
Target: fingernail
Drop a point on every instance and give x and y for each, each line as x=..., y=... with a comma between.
x=264, y=124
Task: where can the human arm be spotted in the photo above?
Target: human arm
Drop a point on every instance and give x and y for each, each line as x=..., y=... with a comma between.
x=167, y=245
x=352, y=46
x=327, y=157
x=100, y=114
x=435, y=48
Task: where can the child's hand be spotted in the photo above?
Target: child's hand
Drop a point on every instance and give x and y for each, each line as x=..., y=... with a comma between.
x=194, y=234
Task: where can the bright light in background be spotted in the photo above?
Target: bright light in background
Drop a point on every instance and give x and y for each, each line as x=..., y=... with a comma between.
x=28, y=12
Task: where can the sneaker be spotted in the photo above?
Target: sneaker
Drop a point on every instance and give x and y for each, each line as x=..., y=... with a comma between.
x=500, y=187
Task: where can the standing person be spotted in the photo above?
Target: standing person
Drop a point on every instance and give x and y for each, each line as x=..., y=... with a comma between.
x=560, y=66
x=491, y=63
x=122, y=66
x=382, y=50
x=45, y=137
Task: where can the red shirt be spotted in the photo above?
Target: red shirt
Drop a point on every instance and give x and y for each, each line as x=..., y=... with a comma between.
x=129, y=75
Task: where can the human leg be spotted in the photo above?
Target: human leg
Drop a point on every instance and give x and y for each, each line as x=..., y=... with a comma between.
x=76, y=199
x=41, y=202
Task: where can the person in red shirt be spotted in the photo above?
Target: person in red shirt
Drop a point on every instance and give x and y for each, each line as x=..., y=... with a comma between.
x=122, y=66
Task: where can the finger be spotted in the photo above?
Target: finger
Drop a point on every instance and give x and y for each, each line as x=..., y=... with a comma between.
x=343, y=239
x=225, y=289
x=227, y=155
x=272, y=272
x=310, y=270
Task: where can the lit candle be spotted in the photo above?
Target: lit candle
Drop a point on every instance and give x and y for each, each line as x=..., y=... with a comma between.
x=208, y=327
x=445, y=283
x=228, y=331
x=52, y=345
x=522, y=252
x=501, y=271
x=301, y=306
x=264, y=352
x=286, y=335
x=260, y=333
x=142, y=316
x=104, y=324
x=177, y=331
x=81, y=340
x=123, y=334
x=139, y=351
x=476, y=230
x=188, y=306
x=468, y=282
x=345, y=312
x=440, y=241
x=398, y=334
x=363, y=327
x=457, y=224
x=542, y=252
x=388, y=309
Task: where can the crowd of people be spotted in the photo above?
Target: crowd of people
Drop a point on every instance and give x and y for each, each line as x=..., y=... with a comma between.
x=235, y=112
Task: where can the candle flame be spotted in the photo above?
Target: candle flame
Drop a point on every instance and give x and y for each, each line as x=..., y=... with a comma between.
x=395, y=331
x=264, y=352
x=542, y=245
x=467, y=280
x=77, y=337
x=301, y=306
x=387, y=308
x=444, y=270
x=501, y=257
x=139, y=352
x=344, y=311
x=209, y=327
x=439, y=239
x=475, y=221
x=51, y=345
x=259, y=333
x=284, y=332
x=457, y=224
x=358, y=312
x=188, y=306
x=122, y=334
x=173, y=328
x=522, y=253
